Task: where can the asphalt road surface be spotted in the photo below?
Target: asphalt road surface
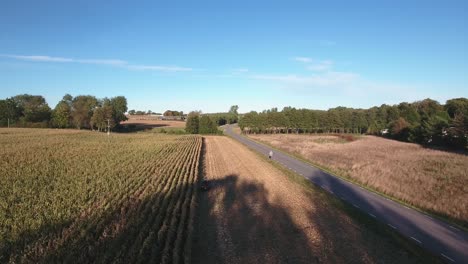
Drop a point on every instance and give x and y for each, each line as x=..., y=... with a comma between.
x=439, y=237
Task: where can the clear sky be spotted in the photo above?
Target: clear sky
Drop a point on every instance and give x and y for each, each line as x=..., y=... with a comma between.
x=209, y=55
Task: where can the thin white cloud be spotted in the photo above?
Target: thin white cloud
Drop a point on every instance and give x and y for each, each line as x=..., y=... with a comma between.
x=303, y=59
x=109, y=62
x=315, y=65
x=158, y=68
x=104, y=62
x=41, y=58
x=38, y=58
x=321, y=66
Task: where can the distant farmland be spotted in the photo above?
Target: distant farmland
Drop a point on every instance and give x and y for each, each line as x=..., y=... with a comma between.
x=434, y=180
x=77, y=196
x=146, y=122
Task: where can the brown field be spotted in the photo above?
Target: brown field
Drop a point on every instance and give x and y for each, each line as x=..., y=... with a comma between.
x=434, y=180
x=148, y=124
x=254, y=213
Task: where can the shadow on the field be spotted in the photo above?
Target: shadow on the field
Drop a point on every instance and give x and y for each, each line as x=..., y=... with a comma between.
x=137, y=127
x=238, y=224
x=136, y=230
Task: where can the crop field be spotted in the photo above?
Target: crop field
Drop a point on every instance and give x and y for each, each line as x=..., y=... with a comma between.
x=433, y=180
x=78, y=196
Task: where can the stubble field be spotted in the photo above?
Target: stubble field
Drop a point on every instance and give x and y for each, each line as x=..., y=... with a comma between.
x=433, y=180
x=79, y=197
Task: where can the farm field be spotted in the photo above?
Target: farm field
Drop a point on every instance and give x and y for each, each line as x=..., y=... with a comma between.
x=433, y=180
x=77, y=196
x=151, y=123
x=254, y=213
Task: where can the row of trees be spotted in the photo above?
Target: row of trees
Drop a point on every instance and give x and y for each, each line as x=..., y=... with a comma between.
x=424, y=122
x=139, y=112
x=173, y=113
x=229, y=117
x=200, y=124
x=83, y=111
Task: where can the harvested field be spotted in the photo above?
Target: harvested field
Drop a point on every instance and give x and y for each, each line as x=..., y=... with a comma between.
x=433, y=180
x=149, y=124
x=253, y=213
x=70, y=196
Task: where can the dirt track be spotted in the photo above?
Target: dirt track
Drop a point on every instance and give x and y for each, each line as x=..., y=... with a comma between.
x=254, y=214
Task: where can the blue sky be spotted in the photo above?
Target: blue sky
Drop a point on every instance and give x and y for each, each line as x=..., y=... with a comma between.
x=209, y=55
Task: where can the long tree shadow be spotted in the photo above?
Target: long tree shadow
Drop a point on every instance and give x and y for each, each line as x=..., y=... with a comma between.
x=137, y=127
x=238, y=224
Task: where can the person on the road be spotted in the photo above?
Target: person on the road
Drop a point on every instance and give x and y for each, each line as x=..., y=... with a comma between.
x=270, y=155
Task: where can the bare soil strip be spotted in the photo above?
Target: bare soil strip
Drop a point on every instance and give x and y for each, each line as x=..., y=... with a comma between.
x=253, y=213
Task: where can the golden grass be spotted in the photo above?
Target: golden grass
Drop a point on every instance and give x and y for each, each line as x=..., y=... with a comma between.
x=430, y=179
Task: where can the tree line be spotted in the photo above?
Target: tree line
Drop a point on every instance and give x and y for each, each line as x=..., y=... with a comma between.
x=229, y=117
x=425, y=122
x=200, y=124
x=139, y=112
x=82, y=111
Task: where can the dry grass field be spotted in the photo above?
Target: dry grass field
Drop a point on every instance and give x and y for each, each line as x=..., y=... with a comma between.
x=253, y=213
x=433, y=180
x=70, y=196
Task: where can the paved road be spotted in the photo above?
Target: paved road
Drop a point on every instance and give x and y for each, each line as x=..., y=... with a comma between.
x=435, y=235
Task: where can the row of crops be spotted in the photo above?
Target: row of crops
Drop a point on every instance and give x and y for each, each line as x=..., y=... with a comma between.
x=80, y=197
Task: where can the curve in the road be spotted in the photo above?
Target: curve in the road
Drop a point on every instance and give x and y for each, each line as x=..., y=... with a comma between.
x=437, y=236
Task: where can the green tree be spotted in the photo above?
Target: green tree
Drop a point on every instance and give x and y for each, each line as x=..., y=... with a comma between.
x=457, y=106
x=9, y=112
x=410, y=113
x=207, y=126
x=101, y=116
x=192, y=124
x=233, y=109
x=458, y=132
x=82, y=110
x=119, y=107
x=34, y=108
x=61, y=115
